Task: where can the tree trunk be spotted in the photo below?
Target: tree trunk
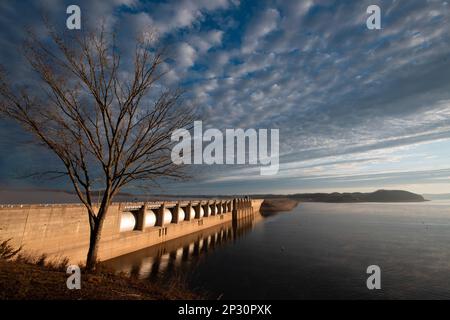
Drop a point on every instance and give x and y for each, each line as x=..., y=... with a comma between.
x=94, y=240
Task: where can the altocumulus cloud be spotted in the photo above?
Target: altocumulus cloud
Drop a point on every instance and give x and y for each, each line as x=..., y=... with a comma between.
x=356, y=109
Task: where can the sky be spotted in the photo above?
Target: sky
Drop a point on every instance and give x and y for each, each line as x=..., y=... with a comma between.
x=356, y=109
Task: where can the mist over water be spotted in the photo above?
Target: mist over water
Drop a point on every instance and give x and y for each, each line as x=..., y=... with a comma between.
x=317, y=251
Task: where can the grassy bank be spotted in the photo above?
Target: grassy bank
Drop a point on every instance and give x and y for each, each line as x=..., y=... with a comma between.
x=20, y=280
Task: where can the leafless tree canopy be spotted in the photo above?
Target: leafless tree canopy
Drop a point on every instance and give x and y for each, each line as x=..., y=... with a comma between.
x=109, y=125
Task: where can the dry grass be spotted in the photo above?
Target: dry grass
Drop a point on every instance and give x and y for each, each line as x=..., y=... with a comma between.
x=54, y=264
x=20, y=280
x=7, y=252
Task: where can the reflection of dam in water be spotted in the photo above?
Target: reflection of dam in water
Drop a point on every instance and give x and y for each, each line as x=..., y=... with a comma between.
x=173, y=255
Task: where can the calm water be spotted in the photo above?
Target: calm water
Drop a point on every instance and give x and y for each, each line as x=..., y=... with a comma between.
x=317, y=251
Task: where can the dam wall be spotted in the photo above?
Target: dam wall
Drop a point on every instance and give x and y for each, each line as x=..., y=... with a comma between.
x=62, y=231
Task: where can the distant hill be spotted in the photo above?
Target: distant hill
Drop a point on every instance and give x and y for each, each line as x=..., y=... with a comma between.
x=336, y=197
x=393, y=196
x=30, y=196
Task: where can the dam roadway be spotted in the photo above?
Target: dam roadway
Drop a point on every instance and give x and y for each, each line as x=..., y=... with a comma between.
x=62, y=230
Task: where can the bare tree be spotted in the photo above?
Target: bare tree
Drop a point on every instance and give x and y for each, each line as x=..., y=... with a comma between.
x=109, y=122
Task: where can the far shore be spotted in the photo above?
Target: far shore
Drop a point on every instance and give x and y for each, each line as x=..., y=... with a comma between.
x=10, y=196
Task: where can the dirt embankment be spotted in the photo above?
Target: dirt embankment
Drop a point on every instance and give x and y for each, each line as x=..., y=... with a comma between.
x=22, y=281
x=270, y=206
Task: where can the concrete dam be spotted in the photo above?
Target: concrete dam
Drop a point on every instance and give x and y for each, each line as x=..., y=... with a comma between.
x=62, y=230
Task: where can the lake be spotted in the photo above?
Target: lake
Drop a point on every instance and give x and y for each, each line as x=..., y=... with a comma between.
x=316, y=251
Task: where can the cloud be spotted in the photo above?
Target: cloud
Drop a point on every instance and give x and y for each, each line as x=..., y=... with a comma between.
x=169, y=16
x=259, y=27
x=185, y=55
x=206, y=40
